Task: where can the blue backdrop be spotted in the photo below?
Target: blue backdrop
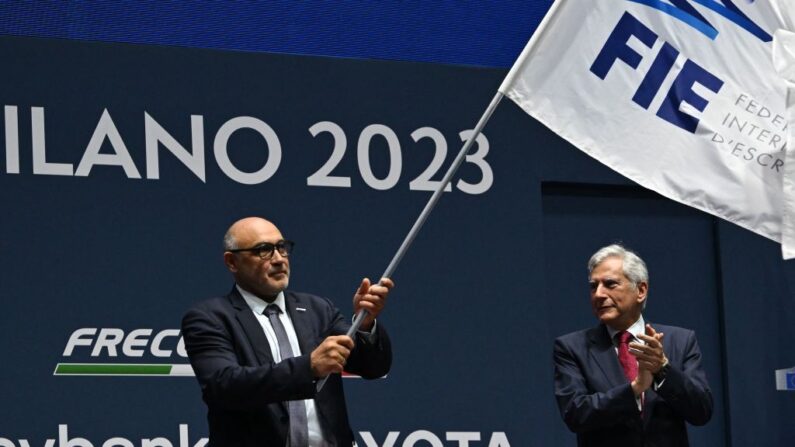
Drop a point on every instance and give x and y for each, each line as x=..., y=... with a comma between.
x=494, y=276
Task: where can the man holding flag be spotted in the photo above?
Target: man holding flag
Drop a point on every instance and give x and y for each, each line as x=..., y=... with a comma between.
x=259, y=351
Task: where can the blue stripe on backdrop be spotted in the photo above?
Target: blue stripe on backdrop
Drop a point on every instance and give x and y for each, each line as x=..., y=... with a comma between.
x=455, y=32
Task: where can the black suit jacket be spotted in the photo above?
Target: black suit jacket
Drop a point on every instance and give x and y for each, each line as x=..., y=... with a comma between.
x=245, y=390
x=597, y=402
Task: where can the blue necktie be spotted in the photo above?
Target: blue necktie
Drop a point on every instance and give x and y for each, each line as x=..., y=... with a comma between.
x=299, y=432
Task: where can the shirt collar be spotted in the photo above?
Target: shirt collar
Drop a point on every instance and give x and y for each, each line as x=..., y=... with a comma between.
x=638, y=327
x=257, y=304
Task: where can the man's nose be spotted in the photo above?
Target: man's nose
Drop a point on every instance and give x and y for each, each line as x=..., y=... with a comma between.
x=600, y=290
x=277, y=257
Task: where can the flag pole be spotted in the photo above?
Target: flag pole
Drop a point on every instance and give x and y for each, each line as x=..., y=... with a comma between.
x=504, y=87
x=437, y=194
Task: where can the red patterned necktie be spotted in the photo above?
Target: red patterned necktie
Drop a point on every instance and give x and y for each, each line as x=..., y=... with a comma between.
x=628, y=362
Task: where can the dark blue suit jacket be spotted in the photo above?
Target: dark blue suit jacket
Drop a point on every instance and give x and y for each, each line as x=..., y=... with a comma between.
x=597, y=402
x=245, y=390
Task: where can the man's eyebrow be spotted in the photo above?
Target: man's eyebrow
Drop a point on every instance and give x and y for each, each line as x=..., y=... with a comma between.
x=609, y=278
x=256, y=244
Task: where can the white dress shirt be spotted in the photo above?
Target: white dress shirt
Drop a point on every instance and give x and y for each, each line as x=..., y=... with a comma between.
x=258, y=306
x=639, y=327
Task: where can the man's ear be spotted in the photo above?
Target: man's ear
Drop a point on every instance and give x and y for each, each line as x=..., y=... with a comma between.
x=643, y=291
x=231, y=261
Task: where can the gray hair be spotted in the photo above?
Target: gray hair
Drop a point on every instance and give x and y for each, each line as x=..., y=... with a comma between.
x=230, y=243
x=633, y=266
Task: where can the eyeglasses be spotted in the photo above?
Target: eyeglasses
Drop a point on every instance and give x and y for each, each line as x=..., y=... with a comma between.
x=265, y=250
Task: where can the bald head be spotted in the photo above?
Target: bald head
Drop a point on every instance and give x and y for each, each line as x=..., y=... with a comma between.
x=262, y=277
x=245, y=229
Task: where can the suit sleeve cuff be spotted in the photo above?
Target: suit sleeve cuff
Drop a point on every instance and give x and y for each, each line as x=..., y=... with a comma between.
x=370, y=336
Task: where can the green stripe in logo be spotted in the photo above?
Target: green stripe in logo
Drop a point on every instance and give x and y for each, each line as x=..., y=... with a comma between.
x=112, y=369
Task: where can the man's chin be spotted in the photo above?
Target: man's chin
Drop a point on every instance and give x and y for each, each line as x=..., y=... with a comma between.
x=278, y=286
x=269, y=289
x=607, y=317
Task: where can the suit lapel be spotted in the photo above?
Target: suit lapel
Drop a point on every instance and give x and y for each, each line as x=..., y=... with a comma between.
x=302, y=319
x=252, y=328
x=603, y=352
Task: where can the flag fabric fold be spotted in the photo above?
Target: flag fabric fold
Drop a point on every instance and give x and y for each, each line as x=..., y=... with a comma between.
x=784, y=62
x=684, y=98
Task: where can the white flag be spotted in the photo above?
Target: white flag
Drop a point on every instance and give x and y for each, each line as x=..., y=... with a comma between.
x=681, y=96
